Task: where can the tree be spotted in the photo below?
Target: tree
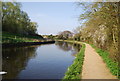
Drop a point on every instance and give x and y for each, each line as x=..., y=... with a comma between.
x=101, y=26
x=65, y=35
x=15, y=20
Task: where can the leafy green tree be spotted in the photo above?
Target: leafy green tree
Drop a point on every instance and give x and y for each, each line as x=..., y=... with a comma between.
x=15, y=20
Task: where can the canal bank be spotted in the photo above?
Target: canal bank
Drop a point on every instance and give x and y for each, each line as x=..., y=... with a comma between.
x=26, y=43
x=16, y=40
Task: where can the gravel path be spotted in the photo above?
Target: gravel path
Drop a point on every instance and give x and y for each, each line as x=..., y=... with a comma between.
x=94, y=67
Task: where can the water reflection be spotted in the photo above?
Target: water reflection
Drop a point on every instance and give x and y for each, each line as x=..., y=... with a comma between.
x=15, y=60
x=38, y=62
x=73, y=47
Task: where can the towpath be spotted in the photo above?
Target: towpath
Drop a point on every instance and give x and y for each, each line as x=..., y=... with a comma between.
x=94, y=67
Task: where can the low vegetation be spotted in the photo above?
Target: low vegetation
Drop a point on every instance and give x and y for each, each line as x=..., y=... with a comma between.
x=75, y=70
x=16, y=38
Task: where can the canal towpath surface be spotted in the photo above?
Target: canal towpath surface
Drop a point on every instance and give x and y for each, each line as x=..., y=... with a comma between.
x=94, y=67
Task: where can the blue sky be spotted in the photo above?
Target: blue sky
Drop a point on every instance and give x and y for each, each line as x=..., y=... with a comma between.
x=53, y=17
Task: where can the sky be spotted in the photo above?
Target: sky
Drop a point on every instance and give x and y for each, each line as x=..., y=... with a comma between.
x=53, y=17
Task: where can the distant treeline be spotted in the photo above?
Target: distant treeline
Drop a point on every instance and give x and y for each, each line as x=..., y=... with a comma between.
x=101, y=26
x=15, y=20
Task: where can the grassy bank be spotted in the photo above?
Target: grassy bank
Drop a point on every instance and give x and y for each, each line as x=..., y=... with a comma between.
x=112, y=65
x=74, y=71
x=17, y=38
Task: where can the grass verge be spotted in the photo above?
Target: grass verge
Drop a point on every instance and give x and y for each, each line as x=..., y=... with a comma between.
x=74, y=71
x=112, y=65
x=16, y=38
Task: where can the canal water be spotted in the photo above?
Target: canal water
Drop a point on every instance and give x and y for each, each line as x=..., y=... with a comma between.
x=48, y=61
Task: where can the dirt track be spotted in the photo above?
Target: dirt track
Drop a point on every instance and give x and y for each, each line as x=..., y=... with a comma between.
x=94, y=67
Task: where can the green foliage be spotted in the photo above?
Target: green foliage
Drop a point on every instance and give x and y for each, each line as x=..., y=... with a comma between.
x=112, y=65
x=50, y=36
x=75, y=70
x=15, y=20
x=65, y=35
x=16, y=38
x=77, y=37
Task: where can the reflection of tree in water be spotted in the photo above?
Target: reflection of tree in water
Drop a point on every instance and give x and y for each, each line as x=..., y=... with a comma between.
x=77, y=47
x=15, y=60
x=74, y=48
x=64, y=46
